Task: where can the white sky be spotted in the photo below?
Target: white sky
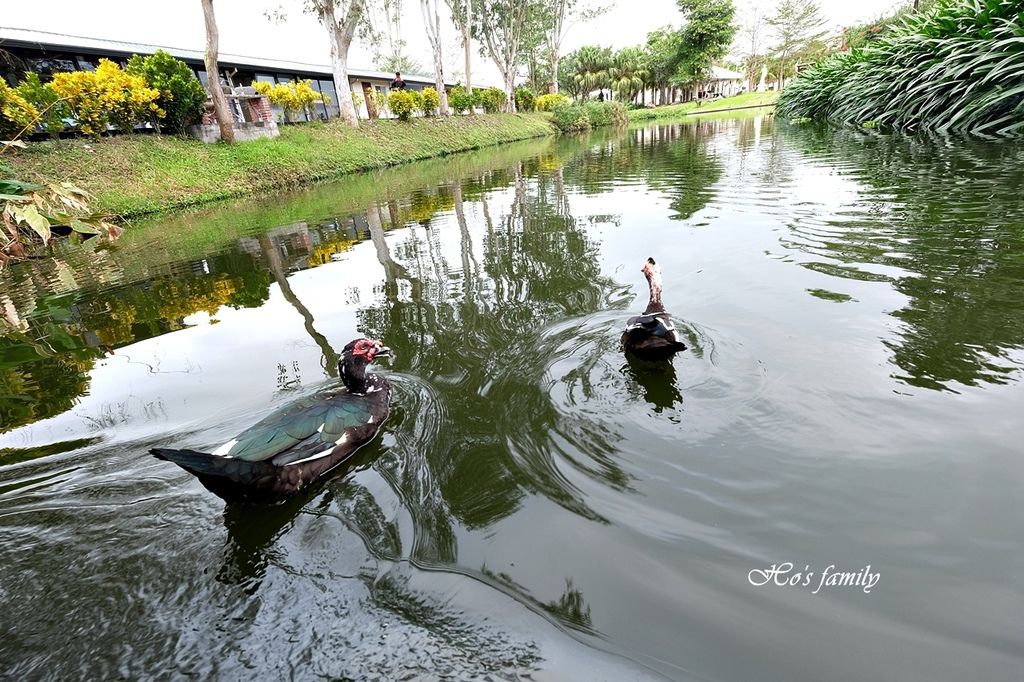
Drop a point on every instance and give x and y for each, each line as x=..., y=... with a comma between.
x=245, y=30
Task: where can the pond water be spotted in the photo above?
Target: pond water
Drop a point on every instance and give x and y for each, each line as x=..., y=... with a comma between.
x=537, y=506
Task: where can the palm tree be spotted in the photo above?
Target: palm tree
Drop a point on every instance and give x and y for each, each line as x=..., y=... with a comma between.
x=628, y=73
x=592, y=66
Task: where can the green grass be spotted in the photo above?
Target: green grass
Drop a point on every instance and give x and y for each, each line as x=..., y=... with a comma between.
x=138, y=174
x=747, y=99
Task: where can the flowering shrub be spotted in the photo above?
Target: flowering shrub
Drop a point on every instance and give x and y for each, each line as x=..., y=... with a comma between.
x=107, y=95
x=431, y=101
x=181, y=94
x=16, y=113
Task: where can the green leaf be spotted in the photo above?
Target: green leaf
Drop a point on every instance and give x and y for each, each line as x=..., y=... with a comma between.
x=83, y=228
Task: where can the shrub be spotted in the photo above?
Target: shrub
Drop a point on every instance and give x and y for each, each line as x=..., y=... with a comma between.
x=606, y=113
x=381, y=100
x=293, y=96
x=570, y=118
x=491, y=99
x=51, y=108
x=550, y=102
x=460, y=100
x=181, y=94
x=401, y=103
x=950, y=68
x=16, y=112
x=525, y=98
x=431, y=101
x=107, y=95
x=417, y=101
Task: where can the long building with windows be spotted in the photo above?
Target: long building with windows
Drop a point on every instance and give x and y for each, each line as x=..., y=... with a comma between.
x=24, y=50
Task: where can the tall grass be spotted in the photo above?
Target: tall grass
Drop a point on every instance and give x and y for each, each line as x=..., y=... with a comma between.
x=957, y=67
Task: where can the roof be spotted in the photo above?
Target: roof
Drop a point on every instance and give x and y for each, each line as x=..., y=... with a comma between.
x=23, y=37
x=720, y=74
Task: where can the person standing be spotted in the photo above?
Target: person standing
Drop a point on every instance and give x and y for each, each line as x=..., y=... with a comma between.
x=398, y=83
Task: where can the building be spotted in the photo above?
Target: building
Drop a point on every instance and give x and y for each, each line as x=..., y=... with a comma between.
x=725, y=82
x=23, y=50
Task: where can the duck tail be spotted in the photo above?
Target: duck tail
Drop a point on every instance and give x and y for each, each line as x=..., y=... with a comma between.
x=227, y=477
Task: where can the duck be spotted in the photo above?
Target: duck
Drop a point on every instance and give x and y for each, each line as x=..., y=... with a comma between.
x=652, y=336
x=300, y=444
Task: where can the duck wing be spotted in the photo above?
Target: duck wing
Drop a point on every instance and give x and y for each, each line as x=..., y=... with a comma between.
x=303, y=428
x=650, y=325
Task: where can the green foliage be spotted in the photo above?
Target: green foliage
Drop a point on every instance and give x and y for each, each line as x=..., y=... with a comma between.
x=380, y=98
x=52, y=109
x=460, y=100
x=402, y=104
x=628, y=73
x=431, y=101
x=525, y=99
x=551, y=102
x=181, y=94
x=592, y=65
x=418, y=104
x=30, y=213
x=606, y=113
x=491, y=99
x=16, y=112
x=107, y=95
x=294, y=97
x=952, y=68
x=570, y=118
x=706, y=37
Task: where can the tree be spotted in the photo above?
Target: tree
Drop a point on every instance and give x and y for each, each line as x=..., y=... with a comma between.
x=393, y=58
x=561, y=16
x=432, y=20
x=220, y=103
x=628, y=73
x=752, y=45
x=341, y=18
x=462, y=15
x=593, y=65
x=662, y=52
x=706, y=37
x=796, y=24
x=505, y=28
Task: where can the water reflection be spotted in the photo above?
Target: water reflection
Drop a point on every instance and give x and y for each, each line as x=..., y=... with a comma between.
x=944, y=220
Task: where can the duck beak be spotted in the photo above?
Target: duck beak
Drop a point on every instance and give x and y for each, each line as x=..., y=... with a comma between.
x=381, y=352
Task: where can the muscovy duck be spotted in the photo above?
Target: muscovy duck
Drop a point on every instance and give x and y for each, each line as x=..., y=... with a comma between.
x=302, y=442
x=651, y=336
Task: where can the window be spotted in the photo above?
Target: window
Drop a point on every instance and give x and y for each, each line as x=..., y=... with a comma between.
x=332, y=108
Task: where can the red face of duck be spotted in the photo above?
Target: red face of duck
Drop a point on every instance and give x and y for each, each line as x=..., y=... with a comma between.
x=370, y=349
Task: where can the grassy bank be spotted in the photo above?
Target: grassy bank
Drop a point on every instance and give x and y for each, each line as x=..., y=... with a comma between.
x=139, y=174
x=747, y=99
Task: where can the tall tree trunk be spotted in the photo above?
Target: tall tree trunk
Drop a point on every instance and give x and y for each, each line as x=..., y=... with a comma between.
x=220, y=103
x=510, y=91
x=341, y=36
x=467, y=44
x=553, y=86
x=432, y=19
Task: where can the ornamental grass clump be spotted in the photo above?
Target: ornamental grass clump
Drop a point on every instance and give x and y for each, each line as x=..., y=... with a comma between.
x=957, y=67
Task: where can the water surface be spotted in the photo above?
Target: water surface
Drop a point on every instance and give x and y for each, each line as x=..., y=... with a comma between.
x=538, y=506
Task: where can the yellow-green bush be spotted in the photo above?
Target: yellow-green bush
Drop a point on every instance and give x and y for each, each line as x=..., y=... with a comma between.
x=402, y=104
x=460, y=100
x=550, y=102
x=52, y=109
x=16, y=113
x=294, y=96
x=492, y=100
x=107, y=95
x=181, y=94
x=431, y=101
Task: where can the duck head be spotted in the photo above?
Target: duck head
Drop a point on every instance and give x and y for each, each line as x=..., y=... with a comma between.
x=354, y=359
x=652, y=271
